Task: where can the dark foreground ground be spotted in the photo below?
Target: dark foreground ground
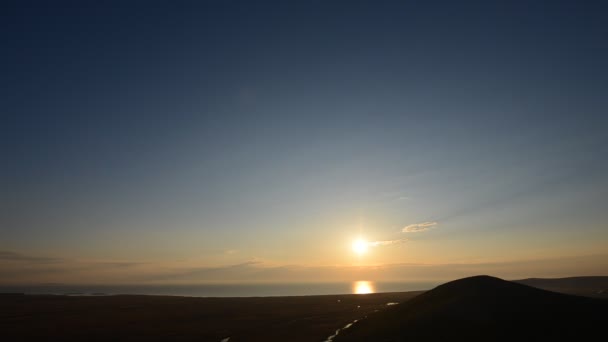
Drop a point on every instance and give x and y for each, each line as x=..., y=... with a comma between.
x=479, y=308
x=485, y=308
x=167, y=318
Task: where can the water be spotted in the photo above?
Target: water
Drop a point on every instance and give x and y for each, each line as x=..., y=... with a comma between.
x=224, y=290
x=332, y=337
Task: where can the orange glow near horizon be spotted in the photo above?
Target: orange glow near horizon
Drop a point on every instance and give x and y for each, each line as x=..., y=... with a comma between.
x=363, y=287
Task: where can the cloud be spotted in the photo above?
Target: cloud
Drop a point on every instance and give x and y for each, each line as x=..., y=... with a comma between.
x=386, y=242
x=226, y=273
x=427, y=274
x=67, y=271
x=12, y=256
x=109, y=264
x=418, y=227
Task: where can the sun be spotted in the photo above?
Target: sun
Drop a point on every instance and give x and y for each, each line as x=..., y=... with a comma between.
x=360, y=246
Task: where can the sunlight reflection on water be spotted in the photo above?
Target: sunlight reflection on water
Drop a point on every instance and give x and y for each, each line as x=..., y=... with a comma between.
x=363, y=287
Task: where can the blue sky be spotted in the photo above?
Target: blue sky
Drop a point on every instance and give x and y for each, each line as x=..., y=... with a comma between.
x=216, y=133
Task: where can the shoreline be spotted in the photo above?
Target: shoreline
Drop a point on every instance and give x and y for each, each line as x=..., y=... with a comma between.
x=223, y=290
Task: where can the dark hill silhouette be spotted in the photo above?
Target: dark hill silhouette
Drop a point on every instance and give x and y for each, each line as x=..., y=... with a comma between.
x=484, y=308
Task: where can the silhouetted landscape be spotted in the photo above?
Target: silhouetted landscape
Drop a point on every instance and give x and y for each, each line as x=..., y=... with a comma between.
x=485, y=308
x=479, y=308
x=162, y=318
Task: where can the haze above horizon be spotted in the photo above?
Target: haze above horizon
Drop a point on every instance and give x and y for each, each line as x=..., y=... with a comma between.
x=235, y=141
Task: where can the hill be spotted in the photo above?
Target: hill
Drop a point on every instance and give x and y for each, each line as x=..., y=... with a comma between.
x=484, y=308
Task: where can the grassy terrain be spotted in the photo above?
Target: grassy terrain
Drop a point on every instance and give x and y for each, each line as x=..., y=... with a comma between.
x=145, y=318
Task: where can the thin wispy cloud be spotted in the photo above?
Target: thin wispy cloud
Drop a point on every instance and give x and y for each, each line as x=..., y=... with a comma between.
x=386, y=242
x=418, y=227
x=12, y=256
x=259, y=271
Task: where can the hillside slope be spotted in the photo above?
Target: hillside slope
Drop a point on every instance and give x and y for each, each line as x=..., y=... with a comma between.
x=484, y=308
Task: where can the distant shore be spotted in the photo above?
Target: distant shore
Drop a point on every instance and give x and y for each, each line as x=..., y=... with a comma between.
x=223, y=290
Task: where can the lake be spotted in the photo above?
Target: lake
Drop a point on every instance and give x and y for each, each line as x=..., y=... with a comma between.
x=225, y=290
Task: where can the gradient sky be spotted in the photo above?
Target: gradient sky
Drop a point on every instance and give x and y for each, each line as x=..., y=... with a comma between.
x=172, y=141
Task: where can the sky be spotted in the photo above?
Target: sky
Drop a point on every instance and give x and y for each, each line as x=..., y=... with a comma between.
x=252, y=141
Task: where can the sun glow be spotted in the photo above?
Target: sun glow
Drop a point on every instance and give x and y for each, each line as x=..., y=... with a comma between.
x=360, y=246
x=363, y=287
